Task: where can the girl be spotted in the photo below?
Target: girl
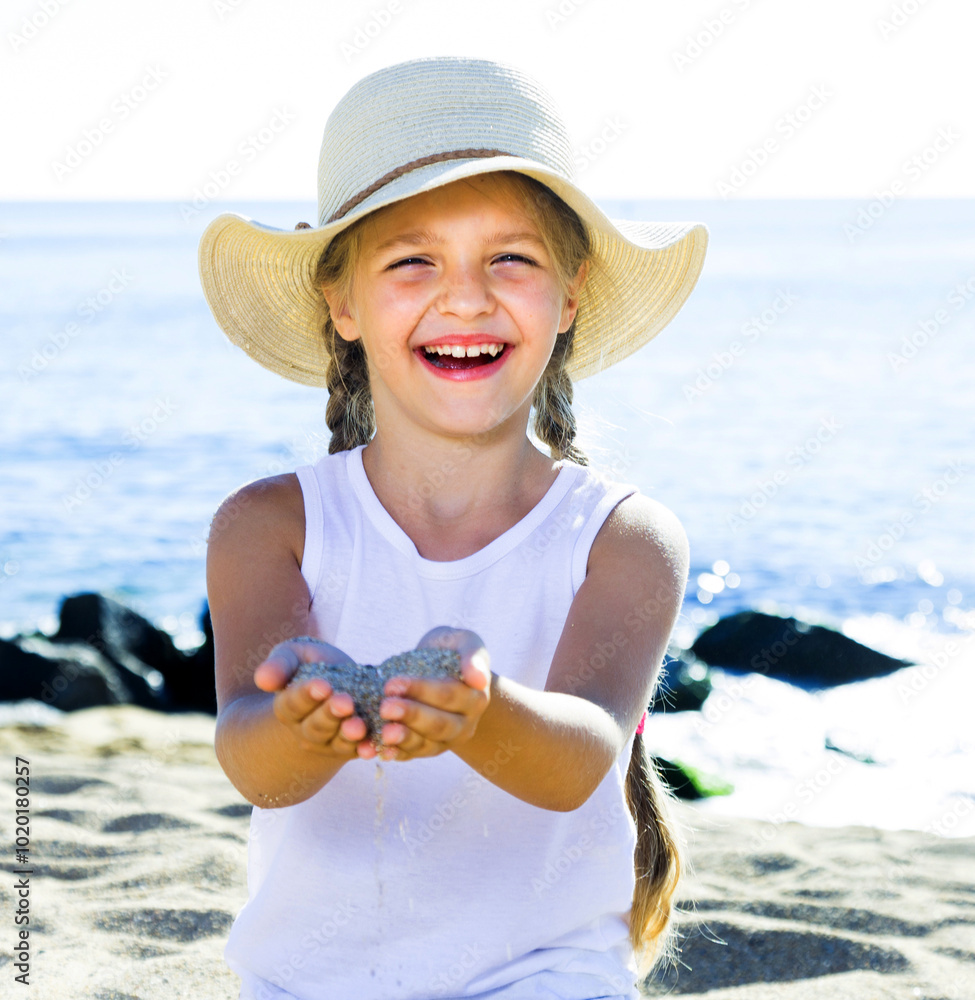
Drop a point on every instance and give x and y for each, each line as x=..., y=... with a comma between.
x=517, y=843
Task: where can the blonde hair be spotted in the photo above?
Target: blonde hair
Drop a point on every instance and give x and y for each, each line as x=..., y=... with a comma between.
x=350, y=417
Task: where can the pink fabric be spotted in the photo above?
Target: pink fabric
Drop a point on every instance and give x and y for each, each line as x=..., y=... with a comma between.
x=639, y=728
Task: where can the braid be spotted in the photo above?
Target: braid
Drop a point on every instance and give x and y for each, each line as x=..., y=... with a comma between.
x=555, y=423
x=348, y=413
x=657, y=861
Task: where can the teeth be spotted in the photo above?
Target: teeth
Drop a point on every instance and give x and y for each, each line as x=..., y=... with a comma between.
x=459, y=351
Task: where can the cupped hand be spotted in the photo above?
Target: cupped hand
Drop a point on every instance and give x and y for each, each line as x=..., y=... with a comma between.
x=322, y=720
x=427, y=717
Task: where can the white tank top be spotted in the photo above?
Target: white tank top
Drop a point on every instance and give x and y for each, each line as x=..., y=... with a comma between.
x=450, y=887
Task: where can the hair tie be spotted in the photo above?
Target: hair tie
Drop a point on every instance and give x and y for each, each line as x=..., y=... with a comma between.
x=639, y=728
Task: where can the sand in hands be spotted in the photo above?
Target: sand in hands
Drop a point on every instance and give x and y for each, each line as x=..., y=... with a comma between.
x=365, y=683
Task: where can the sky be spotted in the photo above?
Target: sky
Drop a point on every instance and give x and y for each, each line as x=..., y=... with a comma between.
x=109, y=99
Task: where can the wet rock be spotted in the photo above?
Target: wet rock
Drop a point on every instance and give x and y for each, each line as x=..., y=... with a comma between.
x=190, y=682
x=790, y=650
x=688, y=782
x=67, y=676
x=684, y=685
x=137, y=648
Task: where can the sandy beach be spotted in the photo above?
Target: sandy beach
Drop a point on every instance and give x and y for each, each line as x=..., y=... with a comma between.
x=137, y=866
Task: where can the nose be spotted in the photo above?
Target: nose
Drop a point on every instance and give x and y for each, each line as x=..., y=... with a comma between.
x=465, y=291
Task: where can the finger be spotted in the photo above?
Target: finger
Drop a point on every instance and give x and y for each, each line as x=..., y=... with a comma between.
x=447, y=694
x=323, y=726
x=285, y=658
x=474, y=658
x=272, y=676
x=297, y=702
x=421, y=723
x=476, y=672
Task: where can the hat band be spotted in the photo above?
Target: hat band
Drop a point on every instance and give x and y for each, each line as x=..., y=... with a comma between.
x=423, y=161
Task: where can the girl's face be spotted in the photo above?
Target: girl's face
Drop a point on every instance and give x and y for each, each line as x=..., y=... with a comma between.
x=458, y=305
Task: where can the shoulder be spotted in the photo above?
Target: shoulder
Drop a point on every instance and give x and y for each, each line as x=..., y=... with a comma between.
x=641, y=538
x=267, y=510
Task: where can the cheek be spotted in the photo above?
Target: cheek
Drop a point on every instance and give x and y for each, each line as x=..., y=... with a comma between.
x=386, y=327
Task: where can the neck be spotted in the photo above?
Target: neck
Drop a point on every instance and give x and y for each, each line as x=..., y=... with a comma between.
x=455, y=495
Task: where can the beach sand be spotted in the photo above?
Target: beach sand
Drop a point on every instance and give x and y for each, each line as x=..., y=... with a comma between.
x=139, y=843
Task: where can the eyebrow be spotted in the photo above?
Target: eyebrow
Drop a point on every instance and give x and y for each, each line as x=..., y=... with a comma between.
x=419, y=237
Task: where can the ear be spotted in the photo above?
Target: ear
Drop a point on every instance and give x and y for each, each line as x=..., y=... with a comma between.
x=340, y=309
x=571, y=305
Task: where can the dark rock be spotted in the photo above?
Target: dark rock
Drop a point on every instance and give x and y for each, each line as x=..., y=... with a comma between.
x=136, y=647
x=790, y=650
x=688, y=782
x=193, y=686
x=67, y=676
x=115, y=630
x=683, y=686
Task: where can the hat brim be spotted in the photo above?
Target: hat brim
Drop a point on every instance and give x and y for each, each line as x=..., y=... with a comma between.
x=260, y=282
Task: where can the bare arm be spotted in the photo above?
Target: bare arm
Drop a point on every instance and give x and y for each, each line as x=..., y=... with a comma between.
x=277, y=749
x=603, y=671
x=552, y=748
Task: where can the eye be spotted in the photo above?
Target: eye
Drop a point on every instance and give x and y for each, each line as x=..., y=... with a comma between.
x=407, y=262
x=515, y=258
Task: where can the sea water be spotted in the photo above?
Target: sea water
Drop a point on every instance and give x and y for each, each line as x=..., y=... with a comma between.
x=807, y=415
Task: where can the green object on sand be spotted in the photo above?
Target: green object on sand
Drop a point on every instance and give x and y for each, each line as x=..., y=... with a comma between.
x=688, y=782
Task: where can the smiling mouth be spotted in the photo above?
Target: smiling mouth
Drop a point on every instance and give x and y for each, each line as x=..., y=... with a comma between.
x=445, y=356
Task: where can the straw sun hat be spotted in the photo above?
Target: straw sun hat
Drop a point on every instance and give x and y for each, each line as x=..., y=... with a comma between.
x=412, y=128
